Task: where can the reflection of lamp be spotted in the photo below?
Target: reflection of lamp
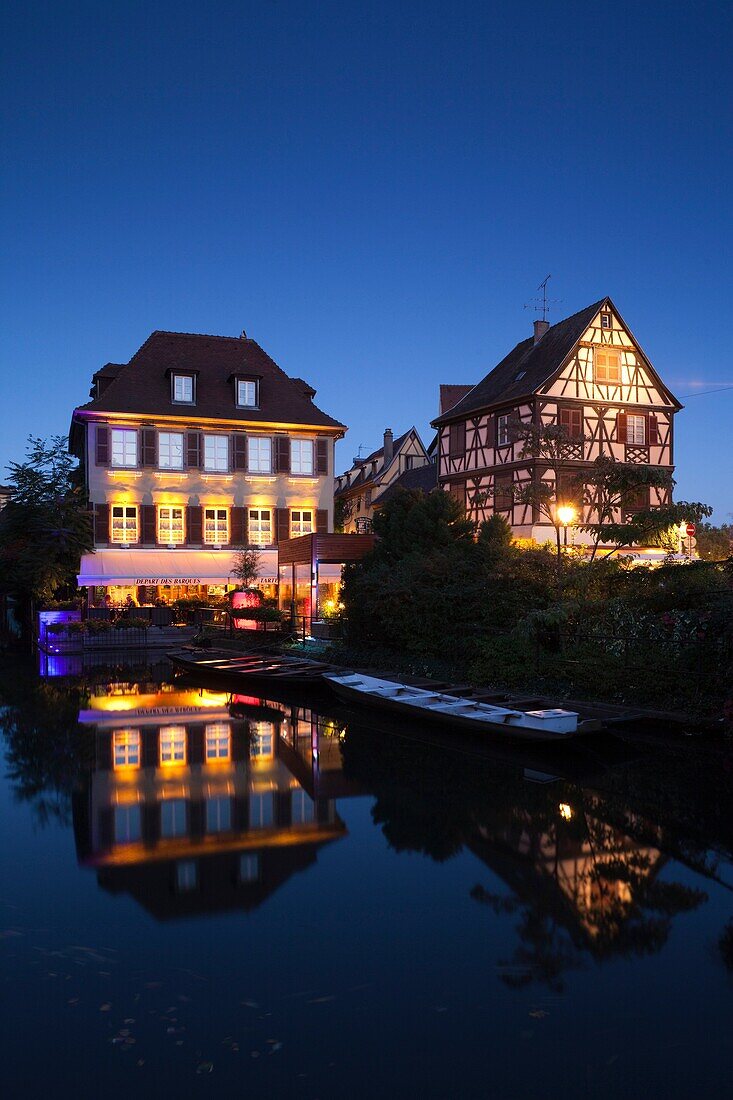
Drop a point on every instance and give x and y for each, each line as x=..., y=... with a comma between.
x=566, y=811
x=566, y=515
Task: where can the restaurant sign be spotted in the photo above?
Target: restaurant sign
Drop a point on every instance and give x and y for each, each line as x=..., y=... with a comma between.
x=168, y=580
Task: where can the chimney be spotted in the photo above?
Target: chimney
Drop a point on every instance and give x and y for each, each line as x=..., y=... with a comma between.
x=540, y=328
x=388, y=447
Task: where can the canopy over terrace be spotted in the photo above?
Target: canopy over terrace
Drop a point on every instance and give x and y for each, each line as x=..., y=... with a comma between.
x=310, y=571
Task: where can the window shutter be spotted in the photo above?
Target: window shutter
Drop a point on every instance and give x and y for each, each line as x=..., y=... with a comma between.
x=193, y=450
x=194, y=524
x=652, y=428
x=491, y=431
x=321, y=521
x=321, y=456
x=148, y=533
x=282, y=524
x=149, y=457
x=239, y=451
x=576, y=424
x=282, y=454
x=621, y=429
x=101, y=524
x=238, y=525
x=102, y=449
x=457, y=490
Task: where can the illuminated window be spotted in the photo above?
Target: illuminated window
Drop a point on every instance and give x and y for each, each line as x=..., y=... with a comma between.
x=262, y=739
x=259, y=454
x=126, y=749
x=503, y=436
x=249, y=867
x=124, y=523
x=246, y=394
x=216, y=526
x=172, y=817
x=260, y=526
x=173, y=745
x=261, y=810
x=607, y=366
x=218, y=814
x=127, y=824
x=216, y=453
x=186, y=875
x=301, y=523
x=170, y=450
x=170, y=525
x=124, y=447
x=301, y=456
x=218, y=741
x=636, y=429
x=301, y=808
x=183, y=388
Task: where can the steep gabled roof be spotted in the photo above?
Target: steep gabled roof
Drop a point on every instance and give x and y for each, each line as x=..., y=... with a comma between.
x=424, y=478
x=143, y=384
x=450, y=395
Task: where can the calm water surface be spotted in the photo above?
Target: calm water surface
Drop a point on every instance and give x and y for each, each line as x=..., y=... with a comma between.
x=218, y=896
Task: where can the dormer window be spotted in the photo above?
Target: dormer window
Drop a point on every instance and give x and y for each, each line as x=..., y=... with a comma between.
x=247, y=396
x=183, y=389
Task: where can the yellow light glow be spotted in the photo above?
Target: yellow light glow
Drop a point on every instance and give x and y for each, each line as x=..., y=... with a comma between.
x=566, y=514
x=566, y=811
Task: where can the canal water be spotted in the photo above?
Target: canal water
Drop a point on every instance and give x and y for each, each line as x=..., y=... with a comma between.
x=216, y=895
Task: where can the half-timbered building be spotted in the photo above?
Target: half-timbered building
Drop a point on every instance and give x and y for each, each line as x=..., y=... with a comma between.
x=586, y=373
x=360, y=489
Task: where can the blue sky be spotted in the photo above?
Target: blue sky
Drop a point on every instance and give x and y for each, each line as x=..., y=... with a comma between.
x=371, y=190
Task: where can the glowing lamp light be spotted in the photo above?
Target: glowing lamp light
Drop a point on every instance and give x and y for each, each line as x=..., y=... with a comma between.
x=565, y=811
x=566, y=514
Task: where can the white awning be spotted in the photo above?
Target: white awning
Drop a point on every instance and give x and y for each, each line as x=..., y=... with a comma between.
x=128, y=567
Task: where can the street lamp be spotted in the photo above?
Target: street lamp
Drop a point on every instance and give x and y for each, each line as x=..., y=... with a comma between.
x=566, y=514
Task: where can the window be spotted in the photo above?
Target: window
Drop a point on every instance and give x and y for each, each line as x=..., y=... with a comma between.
x=183, y=388
x=186, y=875
x=606, y=320
x=301, y=808
x=260, y=526
x=216, y=526
x=301, y=523
x=249, y=867
x=301, y=456
x=607, y=365
x=572, y=421
x=124, y=523
x=246, y=394
x=503, y=435
x=367, y=498
x=127, y=824
x=218, y=739
x=503, y=492
x=216, y=453
x=170, y=450
x=126, y=749
x=636, y=429
x=636, y=500
x=170, y=525
x=457, y=440
x=124, y=447
x=261, y=810
x=172, y=745
x=259, y=454
x=262, y=739
x=218, y=814
x=172, y=817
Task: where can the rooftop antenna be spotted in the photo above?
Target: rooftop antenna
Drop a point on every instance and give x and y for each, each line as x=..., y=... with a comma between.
x=542, y=305
x=359, y=449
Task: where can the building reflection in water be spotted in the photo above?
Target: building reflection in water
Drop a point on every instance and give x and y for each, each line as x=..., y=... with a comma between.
x=199, y=801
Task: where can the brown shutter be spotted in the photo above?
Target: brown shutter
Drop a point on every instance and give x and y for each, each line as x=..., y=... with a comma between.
x=282, y=454
x=491, y=431
x=652, y=429
x=194, y=524
x=239, y=451
x=576, y=426
x=148, y=532
x=238, y=527
x=621, y=429
x=101, y=523
x=282, y=524
x=102, y=449
x=321, y=456
x=457, y=441
x=194, y=448
x=149, y=457
x=321, y=521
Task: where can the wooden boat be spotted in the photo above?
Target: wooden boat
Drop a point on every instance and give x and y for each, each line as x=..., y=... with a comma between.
x=233, y=668
x=552, y=724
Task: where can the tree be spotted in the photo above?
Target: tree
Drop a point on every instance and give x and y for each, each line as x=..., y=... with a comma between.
x=45, y=526
x=246, y=567
x=714, y=543
x=553, y=447
x=611, y=484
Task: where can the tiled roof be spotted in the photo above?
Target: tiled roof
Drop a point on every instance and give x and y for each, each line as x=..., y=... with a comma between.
x=142, y=385
x=424, y=478
x=364, y=475
x=450, y=395
x=526, y=367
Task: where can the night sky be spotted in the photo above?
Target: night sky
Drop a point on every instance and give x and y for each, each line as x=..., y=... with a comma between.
x=372, y=190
